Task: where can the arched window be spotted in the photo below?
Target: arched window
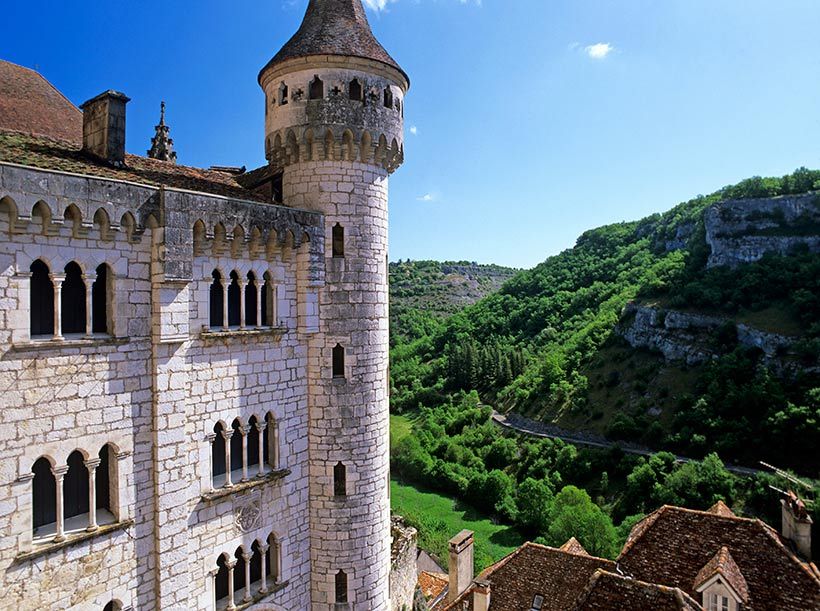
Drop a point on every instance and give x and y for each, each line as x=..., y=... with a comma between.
x=113, y=606
x=234, y=300
x=217, y=300
x=102, y=481
x=268, y=302
x=100, y=302
x=218, y=456
x=72, y=306
x=238, y=572
x=44, y=494
x=41, y=302
x=75, y=487
x=388, y=97
x=338, y=361
x=339, y=480
x=269, y=442
x=316, y=90
x=221, y=579
x=338, y=239
x=250, y=300
x=253, y=443
x=236, y=446
x=341, y=587
x=272, y=560
x=283, y=94
x=355, y=90
x=256, y=562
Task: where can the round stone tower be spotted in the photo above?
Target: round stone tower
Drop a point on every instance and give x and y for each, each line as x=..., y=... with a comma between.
x=333, y=134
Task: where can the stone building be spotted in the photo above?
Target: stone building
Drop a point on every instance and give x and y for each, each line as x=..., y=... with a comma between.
x=194, y=362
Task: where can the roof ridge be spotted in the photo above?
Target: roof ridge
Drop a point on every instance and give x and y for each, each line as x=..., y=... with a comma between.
x=650, y=520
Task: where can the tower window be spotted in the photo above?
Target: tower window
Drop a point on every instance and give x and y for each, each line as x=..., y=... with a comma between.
x=250, y=301
x=283, y=94
x=338, y=238
x=388, y=98
x=268, y=302
x=236, y=446
x=355, y=90
x=339, y=480
x=44, y=494
x=273, y=557
x=217, y=300
x=75, y=486
x=341, y=587
x=218, y=455
x=72, y=302
x=338, y=361
x=41, y=300
x=221, y=580
x=277, y=188
x=316, y=90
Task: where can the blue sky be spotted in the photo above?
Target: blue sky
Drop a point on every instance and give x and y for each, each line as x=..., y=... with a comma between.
x=533, y=120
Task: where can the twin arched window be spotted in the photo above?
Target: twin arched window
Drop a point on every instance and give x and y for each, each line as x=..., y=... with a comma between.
x=251, y=306
x=240, y=453
x=65, y=303
x=73, y=497
x=243, y=576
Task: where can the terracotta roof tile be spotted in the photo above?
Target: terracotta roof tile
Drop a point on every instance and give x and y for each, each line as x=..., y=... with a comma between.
x=724, y=565
x=433, y=584
x=558, y=576
x=334, y=27
x=574, y=547
x=607, y=591
x=672, y=545
x=52, y=154
x=30, y=104
x=721, y=509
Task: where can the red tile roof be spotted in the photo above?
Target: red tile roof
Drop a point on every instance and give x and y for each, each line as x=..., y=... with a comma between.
x=609, y=592
x=724, y=565
x=573, y=547
x=433, y=584
x=721, y=509
x=672, y=545
x=334, y=27
x=30, y=104
x=51, y=154
x=557, y=575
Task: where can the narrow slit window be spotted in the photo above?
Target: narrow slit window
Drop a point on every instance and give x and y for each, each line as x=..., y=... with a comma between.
x=316, y=90
x=355, y=90
x=273, y=558
x=341, y=587
x=250, y=300
x=388, y=98
x=283, y=94
x=338, y=361
x=268, y=302
x=339, y=480
x=234, y=300
x=100, y=306
x=338, y=239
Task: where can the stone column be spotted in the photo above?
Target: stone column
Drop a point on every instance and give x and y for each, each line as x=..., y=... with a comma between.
x=92, y=464
x=225, y=285
x=248, y=597
x=89, y=320
x=258, y=286
x=263, y=549
x=244, y=430
x=260, y=428
x=226, y=435
x=58, y=280
x=231, y=604
x=59, y=474
x=241, y=282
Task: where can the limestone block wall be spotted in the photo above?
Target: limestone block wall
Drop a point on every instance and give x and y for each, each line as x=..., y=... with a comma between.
x=153, y=388
x=349, y=415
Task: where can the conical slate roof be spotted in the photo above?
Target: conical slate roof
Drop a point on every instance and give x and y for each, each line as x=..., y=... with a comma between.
x=334, y=27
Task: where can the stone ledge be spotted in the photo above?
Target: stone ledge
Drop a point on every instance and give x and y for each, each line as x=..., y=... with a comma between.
x=72, y=539
x=69, y=342
x=208, y=334
x=271, y=476
x=260, y=596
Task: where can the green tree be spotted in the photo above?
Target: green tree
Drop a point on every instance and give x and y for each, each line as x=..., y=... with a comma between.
x=573, y=514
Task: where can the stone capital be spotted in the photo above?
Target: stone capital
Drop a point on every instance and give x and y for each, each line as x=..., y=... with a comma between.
x=246, y=556
x=263, y=548
x=90, y=277
x=230, y=564
x=57, y=278
x=245, y=429
x=92, y=463
x=59, y=471
x=226, y=435
x=261, y=426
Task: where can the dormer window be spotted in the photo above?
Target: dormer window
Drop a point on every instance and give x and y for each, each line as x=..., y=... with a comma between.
x=718, y=603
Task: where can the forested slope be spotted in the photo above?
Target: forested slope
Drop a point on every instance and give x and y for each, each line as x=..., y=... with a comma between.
x=550, y=343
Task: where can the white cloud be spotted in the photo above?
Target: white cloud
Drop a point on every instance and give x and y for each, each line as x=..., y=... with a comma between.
x=599, y=50
x=427, y=197
x=414, y=130
x=376, y=5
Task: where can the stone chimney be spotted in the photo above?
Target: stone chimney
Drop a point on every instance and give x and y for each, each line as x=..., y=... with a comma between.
x=461, y=564
x=104, y=127
x=481, y=595
x=796, y=524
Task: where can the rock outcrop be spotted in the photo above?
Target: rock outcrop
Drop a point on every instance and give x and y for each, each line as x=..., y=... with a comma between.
x=742, y=231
